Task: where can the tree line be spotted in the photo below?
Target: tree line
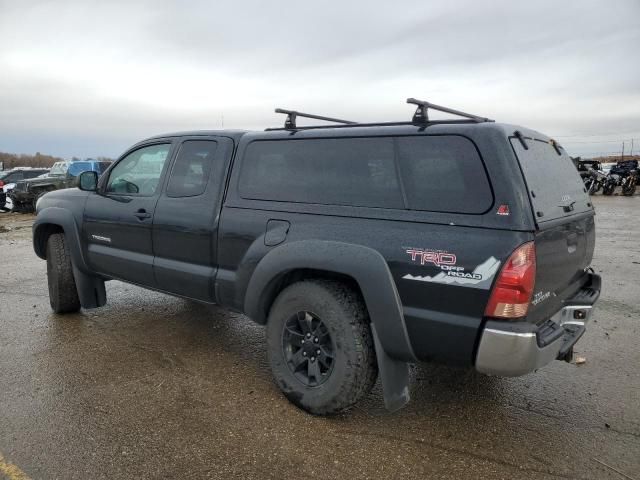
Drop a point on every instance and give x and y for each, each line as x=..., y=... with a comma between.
x=12, y=160
x=39, y=160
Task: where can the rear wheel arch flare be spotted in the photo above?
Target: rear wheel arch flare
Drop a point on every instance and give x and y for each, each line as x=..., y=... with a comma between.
x=285, y=279
x=366, y=266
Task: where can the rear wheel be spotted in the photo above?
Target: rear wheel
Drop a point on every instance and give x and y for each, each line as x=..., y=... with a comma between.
x=321, y=347
x=608, y=188
x=63, y=295
x=629, y=188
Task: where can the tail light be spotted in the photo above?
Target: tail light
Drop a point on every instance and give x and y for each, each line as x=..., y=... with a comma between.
x=513, y=289
x=1, y=184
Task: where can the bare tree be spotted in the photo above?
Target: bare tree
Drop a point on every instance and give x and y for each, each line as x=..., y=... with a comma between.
x=12, y=160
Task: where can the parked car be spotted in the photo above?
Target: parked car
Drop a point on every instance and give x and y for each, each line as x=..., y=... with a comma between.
x=361, y=247
x=62, y=175
x=6, y=205
x=8, y=179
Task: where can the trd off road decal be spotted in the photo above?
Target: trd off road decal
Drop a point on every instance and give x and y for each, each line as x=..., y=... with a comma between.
x=450, y=273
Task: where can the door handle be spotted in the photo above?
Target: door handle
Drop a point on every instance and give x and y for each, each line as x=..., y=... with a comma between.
x=142, y=214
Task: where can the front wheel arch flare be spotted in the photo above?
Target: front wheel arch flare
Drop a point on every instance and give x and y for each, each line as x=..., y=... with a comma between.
x=41, y=237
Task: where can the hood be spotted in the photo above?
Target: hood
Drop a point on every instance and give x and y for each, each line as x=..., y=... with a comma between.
x=62, y=199
x=40, y=181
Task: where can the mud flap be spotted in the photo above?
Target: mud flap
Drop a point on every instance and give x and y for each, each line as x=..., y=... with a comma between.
x=91, y=291
x=394, y=375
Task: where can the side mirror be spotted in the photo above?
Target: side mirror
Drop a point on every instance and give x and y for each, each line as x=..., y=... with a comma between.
x=88, y=181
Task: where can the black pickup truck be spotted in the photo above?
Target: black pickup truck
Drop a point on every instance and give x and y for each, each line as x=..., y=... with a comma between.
x=361, y=247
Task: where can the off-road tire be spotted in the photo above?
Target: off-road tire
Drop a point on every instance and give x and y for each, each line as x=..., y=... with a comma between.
x=355, y=370
x=63, y=295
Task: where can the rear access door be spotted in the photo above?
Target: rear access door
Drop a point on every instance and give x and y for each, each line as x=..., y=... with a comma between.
x=185, y=224
x=565, y=237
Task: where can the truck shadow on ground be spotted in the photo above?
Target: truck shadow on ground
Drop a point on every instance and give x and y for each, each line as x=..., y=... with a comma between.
x=190, y=338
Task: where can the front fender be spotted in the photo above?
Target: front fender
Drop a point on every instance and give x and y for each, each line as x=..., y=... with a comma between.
x=90, y=287
x=63, y=218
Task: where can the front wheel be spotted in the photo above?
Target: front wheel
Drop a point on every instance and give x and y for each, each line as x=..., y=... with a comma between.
x=321, y=346
x=608, y=188
x=63, y=295
x=592, y=187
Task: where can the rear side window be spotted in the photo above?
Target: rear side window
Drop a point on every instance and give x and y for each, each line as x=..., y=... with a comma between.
x=333, y=171
x=191, y=169
x=443, y=174
x=438, y=173
x=555, y=187
x=31, y=174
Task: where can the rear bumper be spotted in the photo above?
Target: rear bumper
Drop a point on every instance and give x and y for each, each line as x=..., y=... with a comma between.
x=511, y=349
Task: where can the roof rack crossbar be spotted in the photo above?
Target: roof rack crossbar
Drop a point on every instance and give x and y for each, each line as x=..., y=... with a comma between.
x=290, y=121
x=422, y=115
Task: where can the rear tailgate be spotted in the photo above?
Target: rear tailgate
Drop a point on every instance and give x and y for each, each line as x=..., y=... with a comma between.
x=565, y=237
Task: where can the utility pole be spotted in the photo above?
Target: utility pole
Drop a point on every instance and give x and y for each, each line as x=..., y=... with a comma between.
x=632, y=147
x=622, y=158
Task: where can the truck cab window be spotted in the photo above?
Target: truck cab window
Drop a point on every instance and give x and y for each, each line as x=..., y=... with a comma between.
x=139, y=172
x=191, y=169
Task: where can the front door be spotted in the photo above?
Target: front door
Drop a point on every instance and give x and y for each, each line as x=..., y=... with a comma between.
x=185, y=223
x=118, y=218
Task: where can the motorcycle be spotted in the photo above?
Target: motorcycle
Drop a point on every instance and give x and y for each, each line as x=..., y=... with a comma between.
x=610, y=183
x=594, y=182
x=629, y=183
x=624, y=174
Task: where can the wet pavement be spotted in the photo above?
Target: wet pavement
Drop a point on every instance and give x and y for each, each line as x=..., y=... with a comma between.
x=152, y=386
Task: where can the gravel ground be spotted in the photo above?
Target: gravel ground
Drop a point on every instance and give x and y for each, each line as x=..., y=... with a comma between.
x=152, y=386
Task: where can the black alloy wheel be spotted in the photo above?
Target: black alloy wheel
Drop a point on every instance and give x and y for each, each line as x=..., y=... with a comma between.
x=308, y=348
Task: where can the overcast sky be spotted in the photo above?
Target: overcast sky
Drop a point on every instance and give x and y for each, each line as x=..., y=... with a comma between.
x=89, y=78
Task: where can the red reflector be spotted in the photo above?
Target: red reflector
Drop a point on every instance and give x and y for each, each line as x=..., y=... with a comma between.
x=513, y=289
x=503, y=210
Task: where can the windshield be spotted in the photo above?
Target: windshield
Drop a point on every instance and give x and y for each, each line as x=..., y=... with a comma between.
x=59, y=168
